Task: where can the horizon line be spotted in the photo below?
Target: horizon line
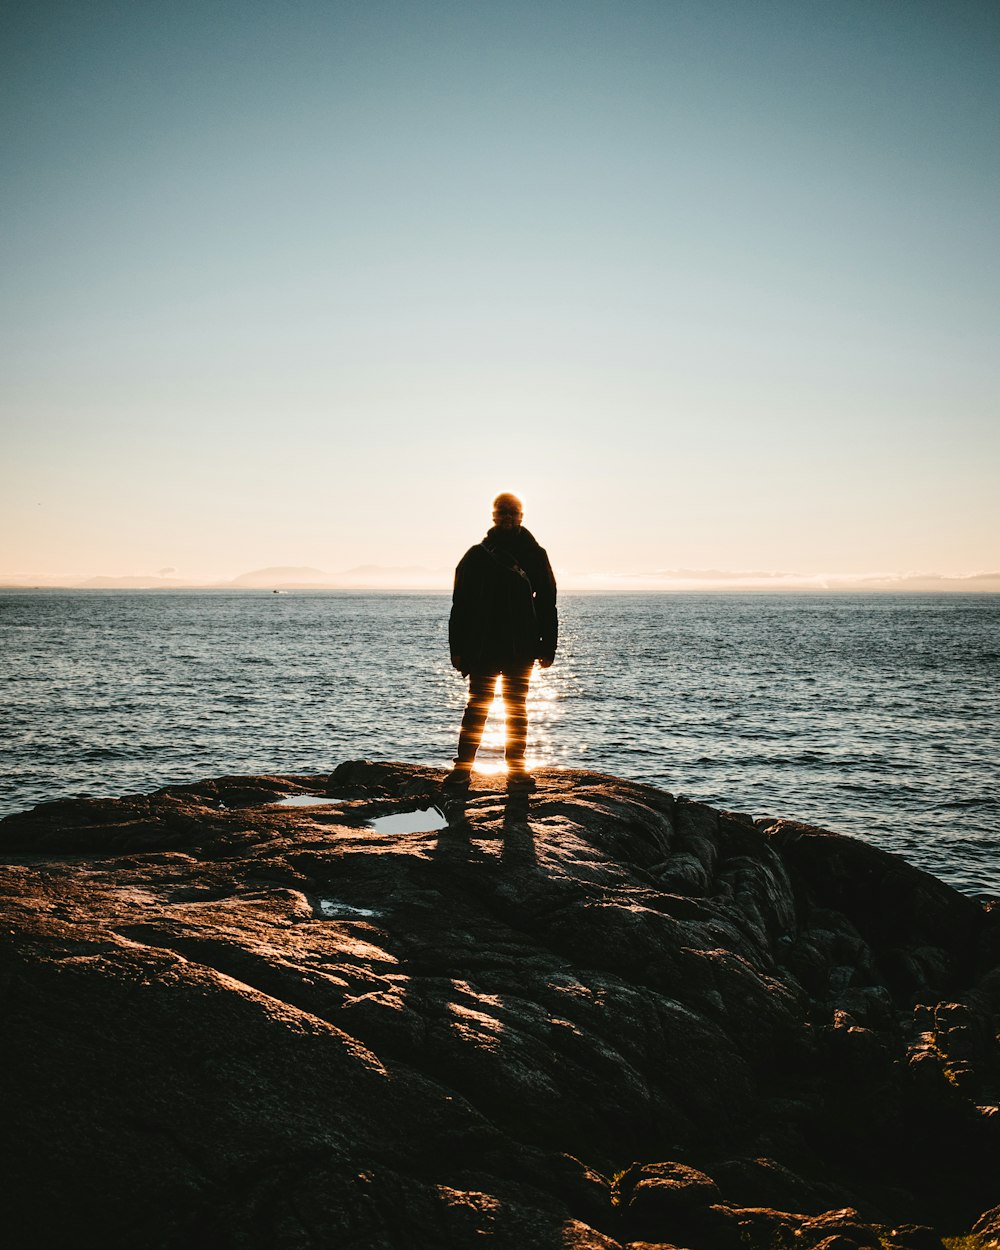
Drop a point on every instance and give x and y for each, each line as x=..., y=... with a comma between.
x=426, y=580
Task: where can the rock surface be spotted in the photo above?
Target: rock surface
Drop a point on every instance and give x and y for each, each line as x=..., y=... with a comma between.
x=599, y=1016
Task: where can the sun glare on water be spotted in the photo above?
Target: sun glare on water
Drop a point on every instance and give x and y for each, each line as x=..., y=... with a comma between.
x=543, y=703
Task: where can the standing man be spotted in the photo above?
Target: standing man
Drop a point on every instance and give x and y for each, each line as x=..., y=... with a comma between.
x=503, y=619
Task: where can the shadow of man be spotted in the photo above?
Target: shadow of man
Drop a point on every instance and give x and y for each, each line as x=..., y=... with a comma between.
x=518, y=849
x=454, y=805
x=456, y=843
x=517, y=840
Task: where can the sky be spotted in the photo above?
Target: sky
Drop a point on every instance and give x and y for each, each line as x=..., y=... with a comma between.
x=712, y=286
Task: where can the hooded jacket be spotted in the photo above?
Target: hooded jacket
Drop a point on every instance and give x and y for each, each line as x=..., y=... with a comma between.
x=503, y=610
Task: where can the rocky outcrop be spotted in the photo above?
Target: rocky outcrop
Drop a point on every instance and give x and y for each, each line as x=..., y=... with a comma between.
x=597, y=1016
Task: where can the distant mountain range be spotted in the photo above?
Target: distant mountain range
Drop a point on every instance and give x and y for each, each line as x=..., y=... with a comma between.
x=279, y=575
x=417, y=577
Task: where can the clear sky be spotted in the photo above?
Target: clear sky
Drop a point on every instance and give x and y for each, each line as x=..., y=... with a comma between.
x=711, y=285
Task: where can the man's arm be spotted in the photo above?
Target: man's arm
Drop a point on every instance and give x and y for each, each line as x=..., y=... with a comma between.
x=545, y=611
x=460, y=621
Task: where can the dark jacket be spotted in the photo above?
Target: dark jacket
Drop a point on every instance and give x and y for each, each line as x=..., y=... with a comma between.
x=501, y=617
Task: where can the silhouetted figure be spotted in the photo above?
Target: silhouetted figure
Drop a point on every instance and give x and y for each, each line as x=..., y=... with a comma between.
x=503, y=618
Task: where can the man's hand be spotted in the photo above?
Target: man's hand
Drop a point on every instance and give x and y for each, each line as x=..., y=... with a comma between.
x=545, y=661
x=456, y=662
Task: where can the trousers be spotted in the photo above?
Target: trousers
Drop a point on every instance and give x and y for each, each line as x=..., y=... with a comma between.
x=514, y=691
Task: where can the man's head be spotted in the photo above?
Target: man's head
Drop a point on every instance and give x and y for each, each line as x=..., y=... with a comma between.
x=507, y=511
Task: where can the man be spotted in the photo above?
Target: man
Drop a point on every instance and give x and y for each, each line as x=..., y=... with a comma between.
x=503, y=618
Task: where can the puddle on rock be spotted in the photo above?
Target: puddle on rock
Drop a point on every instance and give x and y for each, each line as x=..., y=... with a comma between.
x=425, y=820
x=334, y=909
x=306, y=800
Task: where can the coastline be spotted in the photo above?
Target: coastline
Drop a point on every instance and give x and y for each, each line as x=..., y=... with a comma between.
x=873, y=714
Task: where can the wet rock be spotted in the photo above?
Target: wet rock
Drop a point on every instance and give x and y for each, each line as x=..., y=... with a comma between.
x=922, y=934
x=664, y=1189
x=766, y=1227
x=764, y=1181
x=987, y=1227
x=652, y=1245
x=677, y=1201
x=836, y=1230
x=236, y=1023
x=911, y=1237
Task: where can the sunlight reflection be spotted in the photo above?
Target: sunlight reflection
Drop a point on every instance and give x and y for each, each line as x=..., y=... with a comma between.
x=477, y=1019
x=474, y=1022
x=490, y=759
x=544, y=697
x=465, y=987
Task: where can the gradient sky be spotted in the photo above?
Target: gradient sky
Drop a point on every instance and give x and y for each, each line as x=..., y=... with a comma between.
x=712, y=285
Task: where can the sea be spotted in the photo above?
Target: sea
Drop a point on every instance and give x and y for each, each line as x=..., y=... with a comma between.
x=876, y=715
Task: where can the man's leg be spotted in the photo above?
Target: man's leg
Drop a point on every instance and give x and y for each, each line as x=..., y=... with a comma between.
x=515, y=699
x=481, y=687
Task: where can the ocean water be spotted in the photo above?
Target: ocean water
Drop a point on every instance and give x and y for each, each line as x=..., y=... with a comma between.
x=875, y=715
